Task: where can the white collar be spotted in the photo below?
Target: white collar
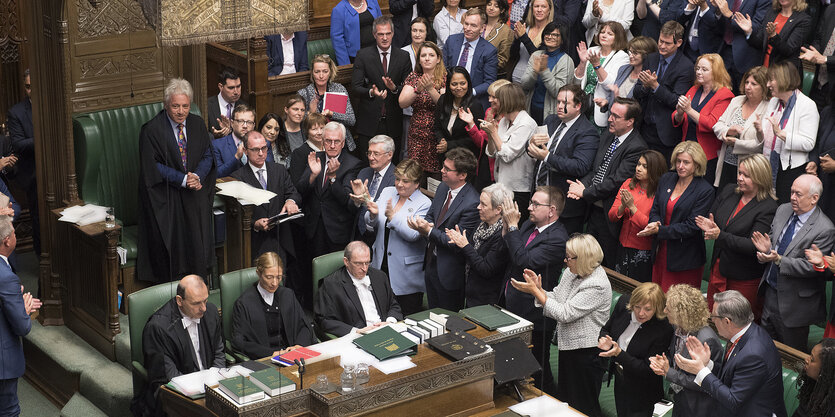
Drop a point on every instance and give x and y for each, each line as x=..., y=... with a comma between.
x=380, y=51
x=624, y=136
x=314, y=147
x=739, y=334
x=383, y=171
x=255, y=169
x=267, y=296
x=542, y=229
x=187, y=321
x=222, y=104
x=366, y=281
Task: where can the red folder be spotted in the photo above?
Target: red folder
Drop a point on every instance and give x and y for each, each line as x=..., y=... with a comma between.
x=336, y=102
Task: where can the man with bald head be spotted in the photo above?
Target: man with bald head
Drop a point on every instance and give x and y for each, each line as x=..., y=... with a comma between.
x=795, y=293
x=182, y=337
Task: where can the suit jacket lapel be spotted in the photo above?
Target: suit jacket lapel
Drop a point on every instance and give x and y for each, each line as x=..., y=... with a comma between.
x=453, y=206
x=183, y=337
x=801, y=234
x=781, y=220
x=351, y=292
x=378, y=289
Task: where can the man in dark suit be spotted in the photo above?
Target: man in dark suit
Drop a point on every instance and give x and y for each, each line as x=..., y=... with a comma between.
x=750, y=383
x=229, y=150
x=700, y=34
x=221, y=105
x=272, y=177
x=325, y=186
x=795, y=293
x=618, y=154
x=734, y=48
x=402, y=14
x=287, y=53
x=481, y=59
x=539, y=245
x=823, y=59
x=566, y=152
x=666, y=75
x=455, y=205
x=22, y=135
x=176, y=187
x=356, y=297
x=14, y=323
x=378, y=76
x=182, y=337
x=373, y=179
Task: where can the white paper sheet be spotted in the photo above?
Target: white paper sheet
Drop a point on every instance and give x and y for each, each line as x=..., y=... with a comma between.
x=544, y=406
x=245, y=193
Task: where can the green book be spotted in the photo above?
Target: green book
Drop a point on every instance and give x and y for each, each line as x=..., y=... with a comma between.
x=240, y=389
x=385, y=343
x=488, y=316
x=272, y=381
x=423, y=315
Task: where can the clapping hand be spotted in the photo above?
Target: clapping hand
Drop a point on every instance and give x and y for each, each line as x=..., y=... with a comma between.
x=457, y=237
x=536, y=147
x=659, y=364
x=708, y=226
x=290, y=207
x=373, y=209
x=575, y=189
x=489, y=126
x=376, y=92
x=389, y=84
x=359, y=192
x=7, y=161
x=609, y=347
x=389, y=210
x=333, y=167
x=814, y=256
x=520, y=29
x=30, y=303
x=541, y=63
x=510, y=213
x=744, y=22
x=651, y=229
x=425, y=82
x=7, y=211
x=594, y=57
x=627, y=201
x=761, y=241
x=314, y=163
x=699, y=354
x=531, y=284
x=583, y=52
x=225, y=127
x=649, y=79
x=420, y=224
x=683, y=104
x=466, y=116
x=771, y=29
x=601, y=102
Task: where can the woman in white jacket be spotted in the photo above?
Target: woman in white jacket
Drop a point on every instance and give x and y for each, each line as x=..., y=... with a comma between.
x=598, y=63
x=602, y=11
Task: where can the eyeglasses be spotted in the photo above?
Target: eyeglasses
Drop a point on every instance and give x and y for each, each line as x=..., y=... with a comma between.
x=445, y=169
x=258, y=150
x=717, y=317
x=332, y=142
x=245, y=122
x=552, y=35
x=534, y=204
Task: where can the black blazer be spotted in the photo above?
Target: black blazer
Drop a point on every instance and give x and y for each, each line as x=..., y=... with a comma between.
x=544, y=255
x=484, y=283
x=338, y=307
x=458, y=136
x=368, y=71
x=825, y=27
x=22, y=135
x=658, y=106
x=685, y=242
x=275, y=52
x=278, y=181
x=401, y=15
x=330, y=201
x=786, y=44
x=214, y=111
x=734, y=246
x=298, y=162
x=643, y=386
x=249, y=323
x=692, y=401
x=572, y=159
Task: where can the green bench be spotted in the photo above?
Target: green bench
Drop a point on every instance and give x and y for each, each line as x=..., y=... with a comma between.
x=320, y=47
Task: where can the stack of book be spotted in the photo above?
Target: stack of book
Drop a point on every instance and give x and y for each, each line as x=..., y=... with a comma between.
x=488, y=316
x=386, y=343
x=240, y=389
x=272, y=382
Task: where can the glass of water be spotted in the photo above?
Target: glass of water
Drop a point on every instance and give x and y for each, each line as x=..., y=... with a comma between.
x=362, y=373
x=109, y=218
x=348, y=379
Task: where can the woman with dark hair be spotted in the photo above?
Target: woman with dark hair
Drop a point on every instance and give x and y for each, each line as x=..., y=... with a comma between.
x=421, y=91
x=496, y=31
x=448, y=20
x=548, y=70
x=632, y=205
x=598, y=63
x=623, y=84
x=456, y=115
x=294, y=113
x=322, y=75
x=740, y=210
x=313, y=127
x=278, y=150
x=529, y=35
x=817, y=384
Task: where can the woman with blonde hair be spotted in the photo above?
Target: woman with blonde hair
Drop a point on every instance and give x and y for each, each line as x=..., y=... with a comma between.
x=699, y=109
x=580, y=305
x=322, y=75
x=267, y=320
x=687, y=311
x=682, y=195
x=636, y=332
x=529, y=35
x=782, y=32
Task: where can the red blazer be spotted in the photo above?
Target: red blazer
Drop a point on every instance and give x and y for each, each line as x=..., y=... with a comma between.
x=708, y=117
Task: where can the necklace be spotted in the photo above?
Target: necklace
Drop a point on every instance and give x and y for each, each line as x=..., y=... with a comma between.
x=357, y=8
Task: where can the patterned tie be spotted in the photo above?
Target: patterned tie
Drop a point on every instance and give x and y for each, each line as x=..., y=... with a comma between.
x=228, y=110
x=729, y=34
x=823, y=75
x=542, y=172
x=728, y=349
x=771, y=278
x=375, y=183
x=444, y=209
x=385, y=72
x=261, y=178
x=532, y=237
x=601, y=172
x=181, y=143
x=465, y=55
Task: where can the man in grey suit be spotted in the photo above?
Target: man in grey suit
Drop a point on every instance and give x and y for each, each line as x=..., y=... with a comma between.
x=795, y=294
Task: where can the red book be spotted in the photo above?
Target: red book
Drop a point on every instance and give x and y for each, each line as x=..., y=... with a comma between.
x=336, y=102
x=288, y=358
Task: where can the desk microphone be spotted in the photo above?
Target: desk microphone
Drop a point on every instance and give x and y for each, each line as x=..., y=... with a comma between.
x=301, y=371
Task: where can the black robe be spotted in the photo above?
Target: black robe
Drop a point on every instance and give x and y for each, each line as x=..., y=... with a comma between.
x=249, y=323
x=175, y=223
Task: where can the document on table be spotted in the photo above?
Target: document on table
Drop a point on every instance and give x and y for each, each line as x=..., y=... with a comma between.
x=245, y=193
x=544, y=406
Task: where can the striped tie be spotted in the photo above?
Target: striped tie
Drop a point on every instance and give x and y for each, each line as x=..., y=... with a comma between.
x=181, y=143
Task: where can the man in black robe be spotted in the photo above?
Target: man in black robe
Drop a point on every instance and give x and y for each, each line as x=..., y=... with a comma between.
x=182, y=337
x=176, y=187
x=267, y=319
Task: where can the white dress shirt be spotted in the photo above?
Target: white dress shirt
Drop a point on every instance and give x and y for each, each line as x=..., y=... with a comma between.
x=289, y=55
x=514, y=167
x=629, y=333
x=369, y=307
x=191, y=326
x=222, y=104
x=446, y=24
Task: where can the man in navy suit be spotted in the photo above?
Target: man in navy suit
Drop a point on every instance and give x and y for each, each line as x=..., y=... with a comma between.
x=22, y=135
x=221, y=105
x=666, y=75
x=372, y=179
x=455, y=205
x=287, y=53
x=14, y=324
x=750, y=383
x=734, y=48
x=229, y=150
x=539, y=245
x=566, y=152
x=700, y=33
x=356, y=297
x=481, y=59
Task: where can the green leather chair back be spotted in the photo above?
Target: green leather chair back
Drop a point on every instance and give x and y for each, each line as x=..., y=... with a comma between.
x=808, y=79
x=232, y=285
x=323, y=266
x=318, y=47
x=143, y=304
x=615, y=298
x=790, y=391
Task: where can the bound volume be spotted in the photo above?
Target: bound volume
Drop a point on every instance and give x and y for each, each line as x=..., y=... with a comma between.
x=240, y=389
x=299, y=353
x=488, y=316
x=385, y=343
x=457, y=345
x=272, y=382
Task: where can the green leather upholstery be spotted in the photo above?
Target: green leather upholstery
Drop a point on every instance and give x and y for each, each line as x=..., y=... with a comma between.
x=708, y=258
x=323, y=266
x=318, y=47
x=790, y=391
x=808, y=79
x=107, y=162
x=143, y=304
x=232, y=285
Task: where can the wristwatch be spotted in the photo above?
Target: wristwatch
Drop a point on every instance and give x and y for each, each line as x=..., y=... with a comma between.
x=332, y=180
x=512, y=228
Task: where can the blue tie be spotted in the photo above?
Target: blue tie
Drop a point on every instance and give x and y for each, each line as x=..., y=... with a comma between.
x=771, y=278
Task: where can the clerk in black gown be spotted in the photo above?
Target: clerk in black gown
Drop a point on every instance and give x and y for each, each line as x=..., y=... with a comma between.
x=267, y=319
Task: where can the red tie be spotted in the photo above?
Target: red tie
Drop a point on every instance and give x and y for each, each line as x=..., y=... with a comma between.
x=444, y=209
x=385, y=73
x=728, y=350
x=532, y=237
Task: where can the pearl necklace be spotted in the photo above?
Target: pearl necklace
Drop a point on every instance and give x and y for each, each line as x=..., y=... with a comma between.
x=357, y=8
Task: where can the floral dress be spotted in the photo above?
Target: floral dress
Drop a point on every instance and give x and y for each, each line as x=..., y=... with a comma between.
x=422, y=141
